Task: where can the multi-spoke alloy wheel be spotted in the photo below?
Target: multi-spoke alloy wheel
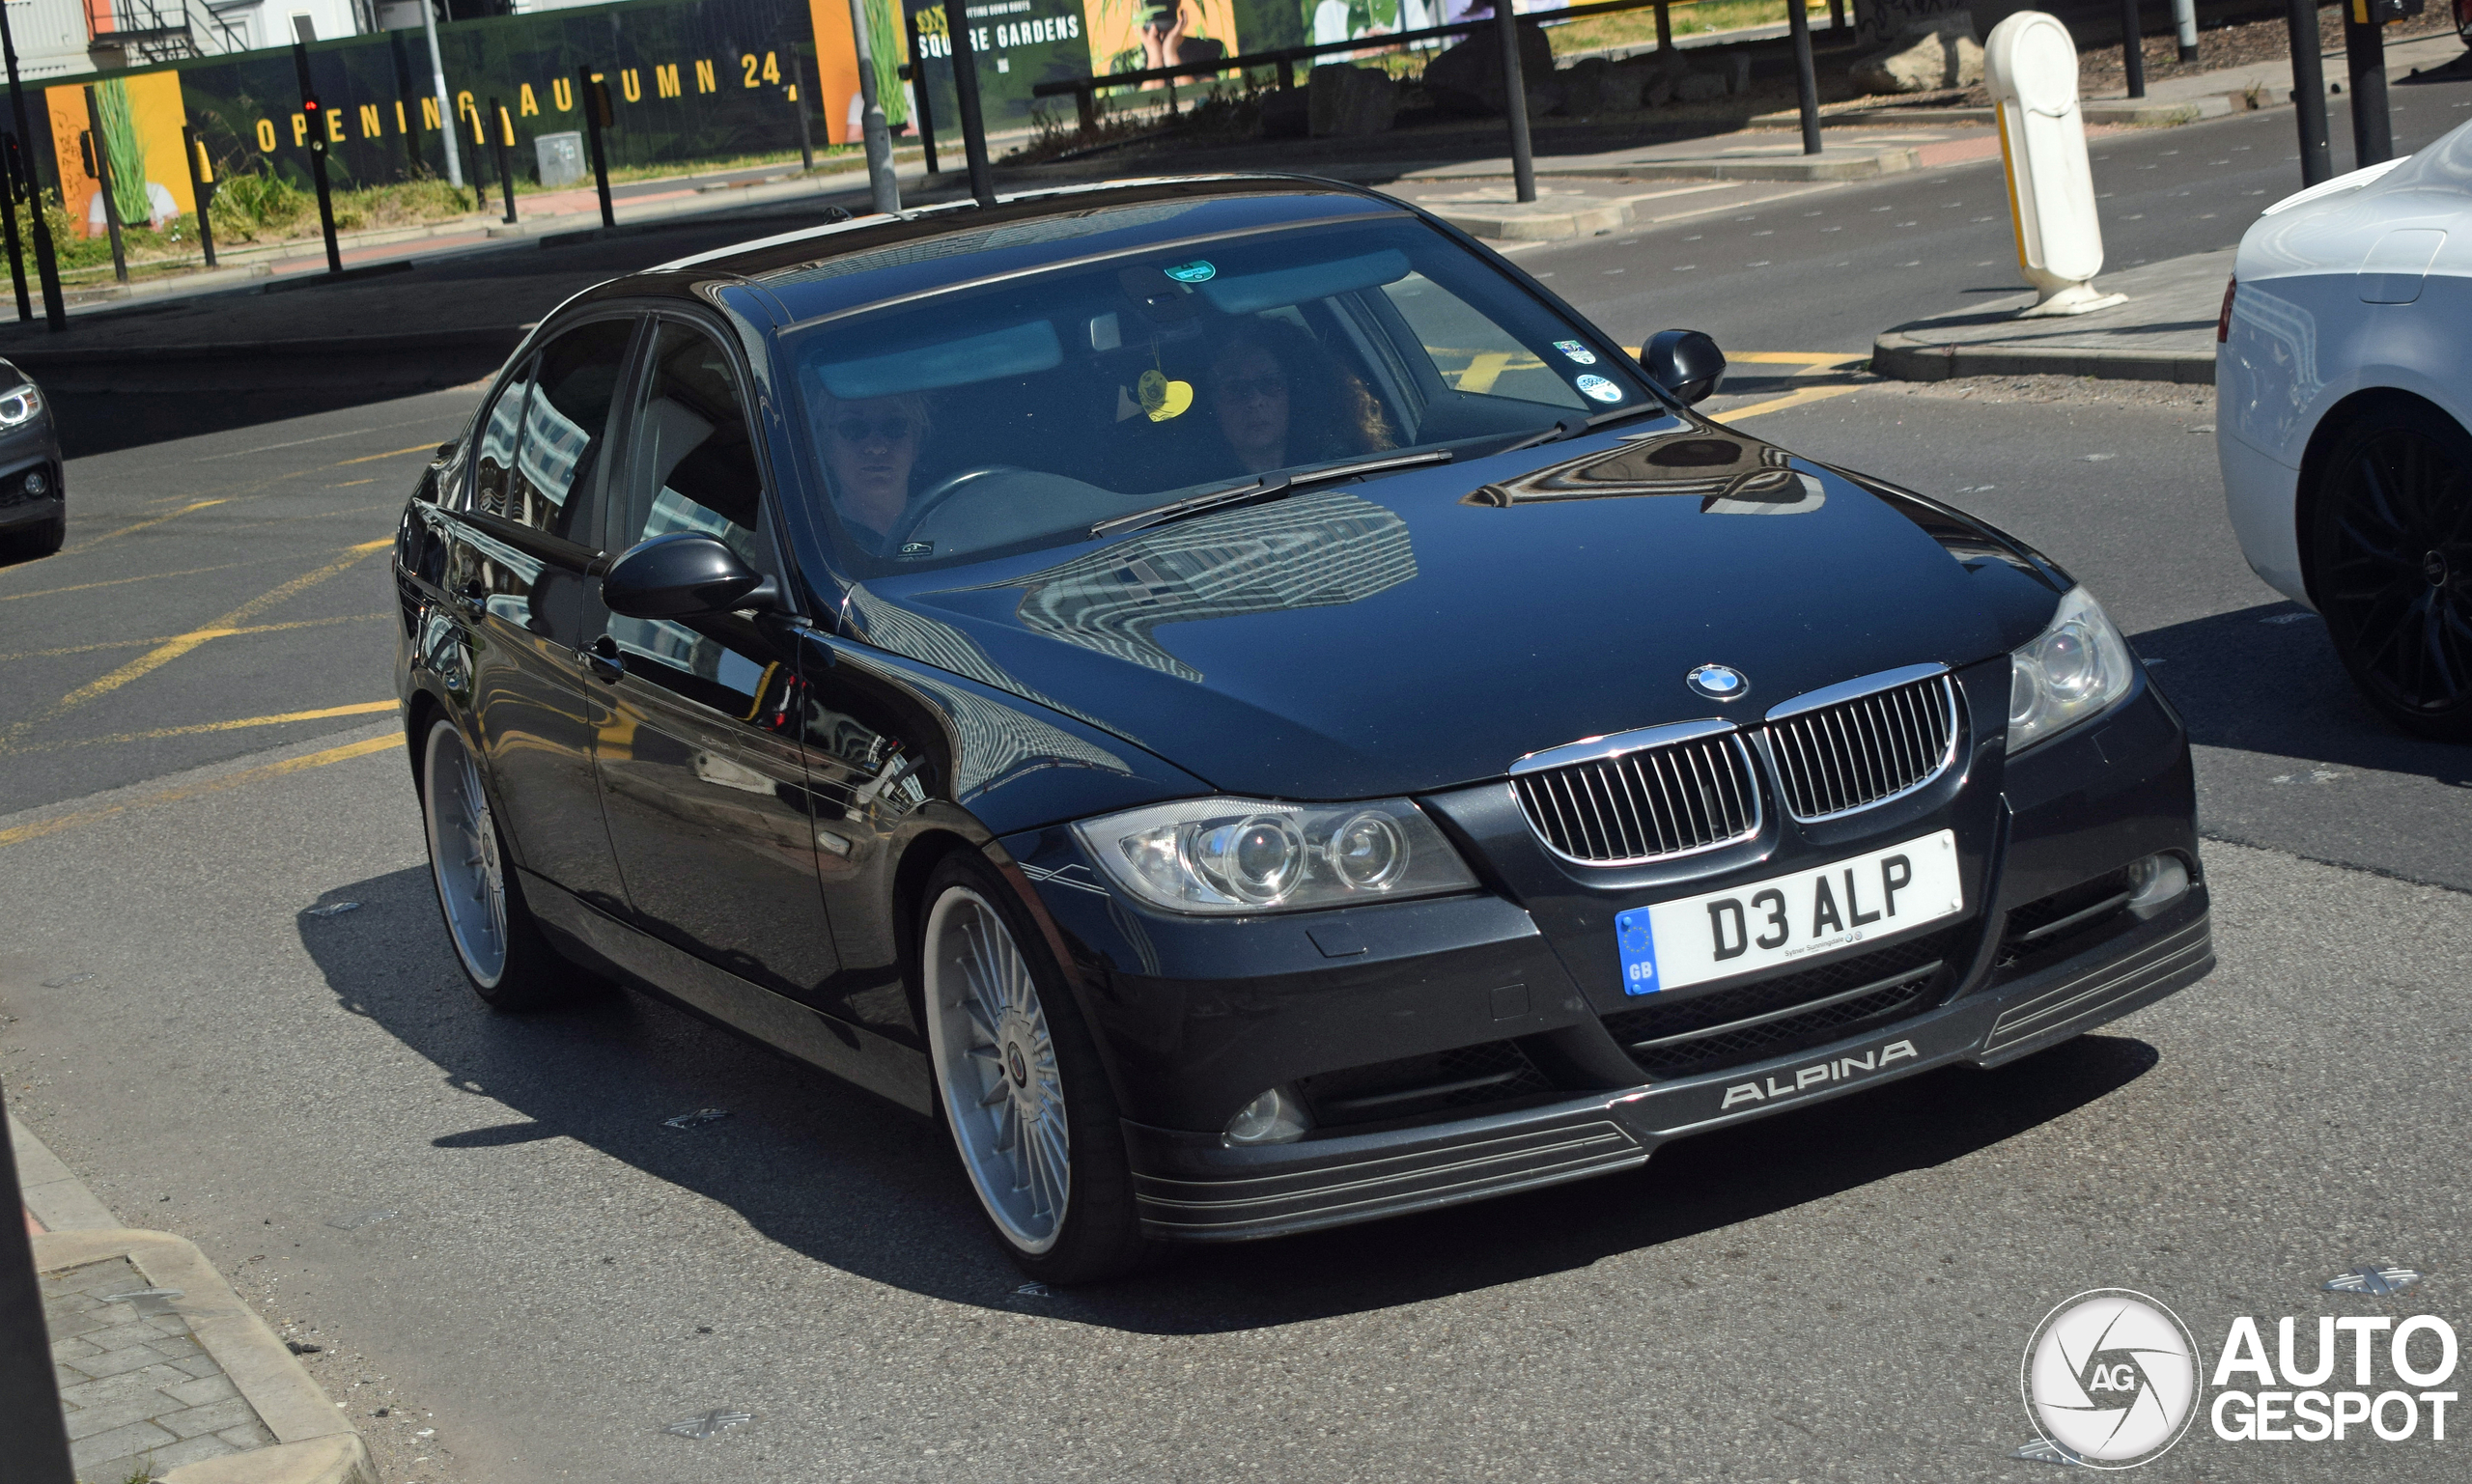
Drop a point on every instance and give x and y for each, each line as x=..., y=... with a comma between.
x=510, y=964
x=995, y=1060
x=1019, y=1081
x=2394, y=566
x=464, y=852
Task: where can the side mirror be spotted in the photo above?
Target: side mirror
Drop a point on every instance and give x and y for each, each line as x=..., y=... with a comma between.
x=685, y=575
x=1684, y=362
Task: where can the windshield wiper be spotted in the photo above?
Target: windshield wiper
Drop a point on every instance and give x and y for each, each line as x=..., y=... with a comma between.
x=1570, y=425
x=1268, y=485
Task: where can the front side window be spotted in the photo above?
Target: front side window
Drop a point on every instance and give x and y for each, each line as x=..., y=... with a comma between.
x=1021, y=413
x=691, y=466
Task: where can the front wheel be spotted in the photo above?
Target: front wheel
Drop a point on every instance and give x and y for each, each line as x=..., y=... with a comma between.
x=2392, y=571
x=40, y=541
x=510, y=965
x=1019, y=1083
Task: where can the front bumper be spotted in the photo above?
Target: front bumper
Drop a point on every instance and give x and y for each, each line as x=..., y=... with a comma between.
x=30, y=449
x=1193, y=1188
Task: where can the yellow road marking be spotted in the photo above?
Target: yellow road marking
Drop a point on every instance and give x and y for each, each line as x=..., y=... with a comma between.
x=360, y=709
x=89, y=648
x=417, y=448
x=1803, y=398
x=165, y=653
x=1483, y=371
x=344, y=753
x=80, y=587
x=88, y=545
x=349, y=483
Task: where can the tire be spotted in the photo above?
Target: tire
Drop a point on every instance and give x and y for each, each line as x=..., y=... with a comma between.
x=2391, y=565
x=1019, y=1083
x=507, y=960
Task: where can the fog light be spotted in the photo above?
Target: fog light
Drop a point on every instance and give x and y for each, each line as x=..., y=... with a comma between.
x=1275, y=1117
x=2156, y=881
x=36, y=486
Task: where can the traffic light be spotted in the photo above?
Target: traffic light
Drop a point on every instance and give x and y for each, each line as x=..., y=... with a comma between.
x=316, y=113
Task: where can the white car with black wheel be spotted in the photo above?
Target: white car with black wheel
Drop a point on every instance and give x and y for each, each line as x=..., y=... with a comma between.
x=2343, y=390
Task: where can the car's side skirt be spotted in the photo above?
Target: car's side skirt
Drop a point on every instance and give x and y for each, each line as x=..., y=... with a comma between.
x=852, y=1052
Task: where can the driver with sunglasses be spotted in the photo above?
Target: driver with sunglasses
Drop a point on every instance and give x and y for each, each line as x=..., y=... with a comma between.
x=869, y=448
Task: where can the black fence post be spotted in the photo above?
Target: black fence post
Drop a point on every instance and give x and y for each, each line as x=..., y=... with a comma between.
x=2365, y=59
x=480, y=146
x=596, y=118
x=55, y=312
x=1835, y=20
x=982, y=180
x=201, y=189
x=14, y=168
x=99, y=164
x=1522, y=160
x=1805, y=77
x=798, y=106
x=916, y=74
x=2133, y=48
x=316, y=113
x=506, y=156
x=2308, y=92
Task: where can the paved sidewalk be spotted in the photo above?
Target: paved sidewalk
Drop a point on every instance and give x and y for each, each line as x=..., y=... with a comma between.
x=2165, y=332
x=163, y=1372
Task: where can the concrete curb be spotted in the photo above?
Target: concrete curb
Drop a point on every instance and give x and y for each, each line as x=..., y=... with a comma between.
x=315, y=1442
x=1904, y=358
x=2140, y=115
x=1862, y=167
x=56, y=1196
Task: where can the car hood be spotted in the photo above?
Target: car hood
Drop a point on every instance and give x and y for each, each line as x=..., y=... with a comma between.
x=1427, y=628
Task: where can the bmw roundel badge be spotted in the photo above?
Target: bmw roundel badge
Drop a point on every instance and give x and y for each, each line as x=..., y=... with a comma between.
x=1718, y=681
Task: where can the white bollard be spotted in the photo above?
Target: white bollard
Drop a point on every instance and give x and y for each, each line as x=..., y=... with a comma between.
x=2030, y=66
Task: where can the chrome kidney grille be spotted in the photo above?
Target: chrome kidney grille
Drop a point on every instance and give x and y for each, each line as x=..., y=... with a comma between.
x=1644, y=805
x=1867, y=750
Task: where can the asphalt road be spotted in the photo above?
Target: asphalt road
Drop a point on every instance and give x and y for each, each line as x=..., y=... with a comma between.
x=1839, y=1293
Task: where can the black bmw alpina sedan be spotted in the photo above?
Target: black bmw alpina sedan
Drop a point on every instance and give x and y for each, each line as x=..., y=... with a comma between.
x=1254, y=714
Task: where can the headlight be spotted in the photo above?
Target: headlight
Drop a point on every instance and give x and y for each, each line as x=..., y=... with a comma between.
x=2076, y=666
x=1230, y=857
x=18, y=406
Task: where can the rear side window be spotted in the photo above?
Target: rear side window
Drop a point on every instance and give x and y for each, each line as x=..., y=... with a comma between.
x=565, y=427
x=493, y=457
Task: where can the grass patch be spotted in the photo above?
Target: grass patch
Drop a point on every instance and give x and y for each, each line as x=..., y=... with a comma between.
x=1639, y=28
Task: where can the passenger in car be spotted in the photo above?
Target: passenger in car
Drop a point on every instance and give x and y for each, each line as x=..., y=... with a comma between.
x=869, y=449
x=1279, y=400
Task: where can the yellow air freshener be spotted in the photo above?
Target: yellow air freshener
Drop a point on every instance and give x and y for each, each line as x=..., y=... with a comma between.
x=1162, y=397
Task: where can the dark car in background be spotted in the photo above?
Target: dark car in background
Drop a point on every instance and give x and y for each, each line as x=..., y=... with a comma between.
x=33, y=506
x=1253, y=713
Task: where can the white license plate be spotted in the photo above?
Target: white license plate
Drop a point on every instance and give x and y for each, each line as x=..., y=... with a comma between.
x=1802, y=916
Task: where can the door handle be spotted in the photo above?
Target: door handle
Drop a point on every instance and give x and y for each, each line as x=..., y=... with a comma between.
x=602, y=660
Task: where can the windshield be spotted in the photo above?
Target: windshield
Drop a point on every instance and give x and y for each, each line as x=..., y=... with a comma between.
x=1021, y=413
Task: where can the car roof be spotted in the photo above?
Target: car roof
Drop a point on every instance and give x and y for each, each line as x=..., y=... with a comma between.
x=821, y=271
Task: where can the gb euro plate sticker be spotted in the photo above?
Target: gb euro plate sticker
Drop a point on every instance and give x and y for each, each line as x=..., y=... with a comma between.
x=1639, y=944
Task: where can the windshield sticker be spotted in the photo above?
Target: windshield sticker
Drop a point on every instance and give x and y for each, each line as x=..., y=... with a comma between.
x=914, y=549
x=1576, y=352
x=1198, y=271
x=1164, y=399
x=1595, y=386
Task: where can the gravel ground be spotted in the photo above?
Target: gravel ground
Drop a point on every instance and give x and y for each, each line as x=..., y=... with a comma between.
x=2070, y=389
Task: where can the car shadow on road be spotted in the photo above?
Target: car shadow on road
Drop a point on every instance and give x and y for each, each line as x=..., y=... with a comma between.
x=2215, y=669
x=850, y=1180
